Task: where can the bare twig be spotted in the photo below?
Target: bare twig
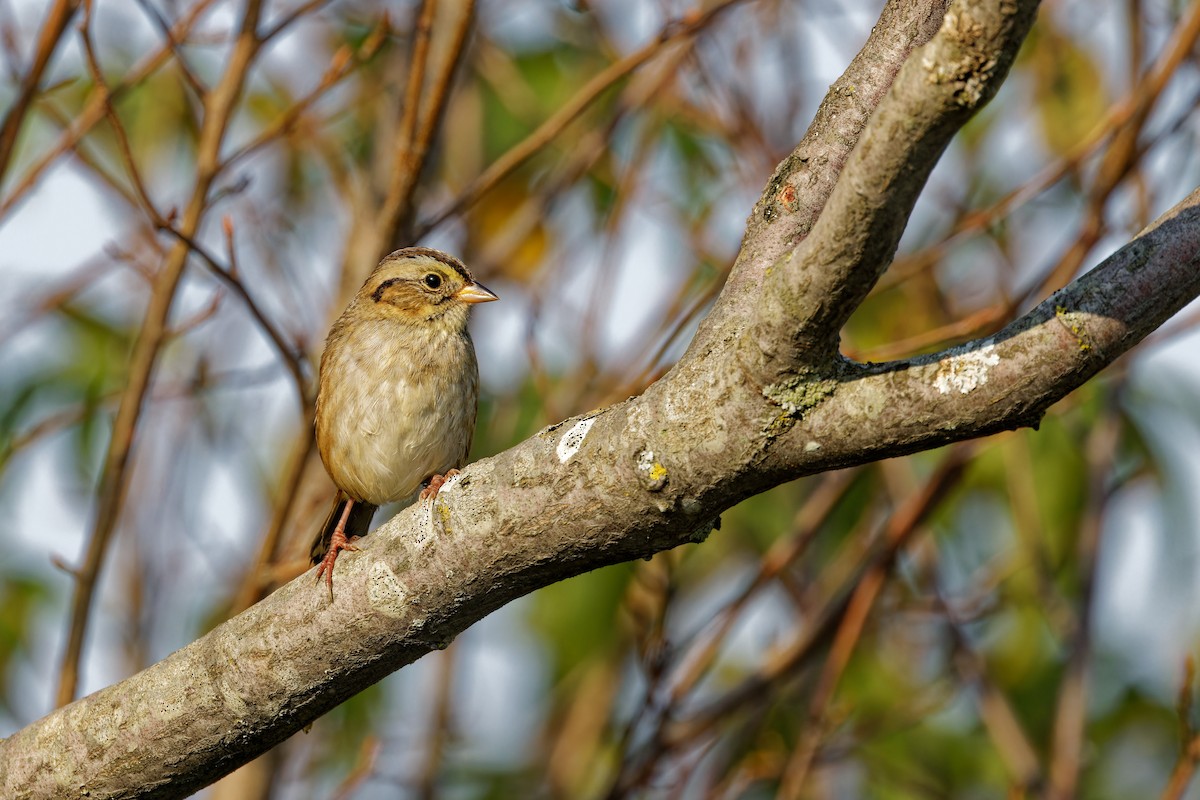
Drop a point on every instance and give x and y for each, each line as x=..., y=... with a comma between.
x=218, y=104
x=1189, y=750
x=96, y=108
x=690, y=25
x=58, y=17
x=1070, y=716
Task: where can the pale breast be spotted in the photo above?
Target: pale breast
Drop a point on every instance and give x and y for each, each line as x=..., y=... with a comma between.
x=392, y=413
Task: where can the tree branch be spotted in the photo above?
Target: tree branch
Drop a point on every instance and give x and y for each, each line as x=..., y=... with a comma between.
x=58, y=16
x=794, y=196
x=219, y=106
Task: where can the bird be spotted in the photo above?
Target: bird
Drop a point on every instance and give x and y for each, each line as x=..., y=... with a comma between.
x=397, y=392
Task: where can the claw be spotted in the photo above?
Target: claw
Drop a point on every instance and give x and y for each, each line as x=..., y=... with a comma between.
x=435, y=484
x=337, y=543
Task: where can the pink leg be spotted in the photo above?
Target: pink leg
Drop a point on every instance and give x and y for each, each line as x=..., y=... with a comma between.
x=435, y=484
x=337, y=543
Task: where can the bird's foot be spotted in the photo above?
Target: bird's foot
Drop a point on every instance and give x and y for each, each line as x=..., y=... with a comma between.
x=337, y=543
x=435, y=484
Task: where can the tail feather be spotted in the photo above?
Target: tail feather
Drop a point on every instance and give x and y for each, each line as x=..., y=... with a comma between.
x=357, y=525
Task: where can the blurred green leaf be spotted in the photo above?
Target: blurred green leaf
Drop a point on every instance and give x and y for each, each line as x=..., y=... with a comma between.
x=21, y=597
x=1069, y=87
x=578, y=618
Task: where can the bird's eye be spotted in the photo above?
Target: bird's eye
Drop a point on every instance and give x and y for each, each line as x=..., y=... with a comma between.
x=433, y=280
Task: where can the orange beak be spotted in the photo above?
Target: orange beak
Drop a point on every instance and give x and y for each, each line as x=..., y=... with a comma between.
x=475, y=293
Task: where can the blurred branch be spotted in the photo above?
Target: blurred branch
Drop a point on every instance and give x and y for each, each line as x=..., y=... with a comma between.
x=999, y=717
x=342, y=65
x=173, y=42
x=1135, y=105
x=698, y=660
x=408, y=158
x=219, y=104
x=1189, y=751
x=900, y=529
x=368, y=754
x=1121, y=157
x=293, y=358
x=62, y=292
x=96, y=107
x=1070, y=717
x=691, y=24
x=259, y=580
x=58, y=16
x=302, y=11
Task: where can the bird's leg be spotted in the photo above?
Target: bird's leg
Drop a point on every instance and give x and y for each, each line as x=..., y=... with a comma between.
x=435, y=484
x=337, y=543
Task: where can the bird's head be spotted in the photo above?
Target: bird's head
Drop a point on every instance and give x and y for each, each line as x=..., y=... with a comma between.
x=420, y=284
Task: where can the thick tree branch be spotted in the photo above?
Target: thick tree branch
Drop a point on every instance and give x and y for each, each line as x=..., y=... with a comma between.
x=745, y=410
x=826, y=277
x=1007, y=380
x=794, y=196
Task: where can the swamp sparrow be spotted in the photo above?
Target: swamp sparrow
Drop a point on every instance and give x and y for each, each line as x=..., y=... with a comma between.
x=398, y=386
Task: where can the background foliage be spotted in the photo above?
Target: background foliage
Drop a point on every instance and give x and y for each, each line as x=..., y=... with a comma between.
x=982, y=621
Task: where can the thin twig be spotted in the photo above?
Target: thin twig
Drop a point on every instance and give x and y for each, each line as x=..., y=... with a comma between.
x=218, y=105
x=94, y=110
x=341, y=66
x=1189, y=751
x=404, y=165
x=900, y=529
x=1070, y=716
x=422, y=113
x=57, y=19
x=690, y=24
x=227, y=275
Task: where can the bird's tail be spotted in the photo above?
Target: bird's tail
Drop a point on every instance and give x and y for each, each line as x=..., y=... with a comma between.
x=357, y=525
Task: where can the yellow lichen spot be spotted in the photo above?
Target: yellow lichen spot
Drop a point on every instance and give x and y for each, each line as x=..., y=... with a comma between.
x=1070, y=322
x=651, y=472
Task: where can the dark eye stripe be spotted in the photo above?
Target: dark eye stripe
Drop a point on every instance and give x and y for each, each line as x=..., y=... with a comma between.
x=377, y=295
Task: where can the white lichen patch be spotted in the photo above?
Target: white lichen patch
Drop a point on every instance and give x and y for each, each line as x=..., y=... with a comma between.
x=385, y=592
x=572, y=440
x=966, y=370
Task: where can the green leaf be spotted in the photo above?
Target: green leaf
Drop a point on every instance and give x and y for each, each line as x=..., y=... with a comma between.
x=1069, y=93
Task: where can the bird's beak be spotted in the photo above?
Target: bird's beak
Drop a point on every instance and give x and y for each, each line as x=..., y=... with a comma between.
x=475, y=293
